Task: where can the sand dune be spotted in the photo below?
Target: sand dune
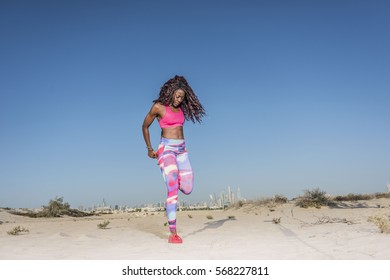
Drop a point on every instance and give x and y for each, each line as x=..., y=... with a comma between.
x=250, y=232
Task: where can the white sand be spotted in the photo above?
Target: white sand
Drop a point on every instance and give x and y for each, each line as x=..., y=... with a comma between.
x=302, y=234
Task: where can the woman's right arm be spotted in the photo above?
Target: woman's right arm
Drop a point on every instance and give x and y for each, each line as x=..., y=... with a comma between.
x=152, y=114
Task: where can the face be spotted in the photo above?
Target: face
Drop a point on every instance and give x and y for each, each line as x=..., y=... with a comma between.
x=178, y=97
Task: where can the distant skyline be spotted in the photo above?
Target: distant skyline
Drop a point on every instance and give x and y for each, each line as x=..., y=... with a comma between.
x=223, y=198
x=297, y=96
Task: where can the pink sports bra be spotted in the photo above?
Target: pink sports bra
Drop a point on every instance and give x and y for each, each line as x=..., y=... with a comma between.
x=171, y=119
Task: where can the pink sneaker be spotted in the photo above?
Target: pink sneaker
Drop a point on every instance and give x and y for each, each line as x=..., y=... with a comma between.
x=175, y=239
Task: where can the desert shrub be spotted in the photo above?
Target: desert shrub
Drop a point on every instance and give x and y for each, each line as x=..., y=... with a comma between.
x=231, y=217
x=55, y=208
x=382, y=222
x=103, y=225
x=326, y=220
x=353, y=197
x=209, y=217
x=263, y=202
x=276, y=220
x=280, y=199
x=314, y=198
x=382, y=195
x=17, y=230
x=276, y=199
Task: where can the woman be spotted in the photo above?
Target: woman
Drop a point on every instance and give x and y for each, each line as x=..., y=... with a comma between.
x=176, y=102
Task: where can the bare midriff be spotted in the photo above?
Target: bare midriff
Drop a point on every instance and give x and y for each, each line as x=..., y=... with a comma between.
x=175, y=132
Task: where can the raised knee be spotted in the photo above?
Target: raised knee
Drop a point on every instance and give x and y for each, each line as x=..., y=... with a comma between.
x=188, y=192
x=186, y=189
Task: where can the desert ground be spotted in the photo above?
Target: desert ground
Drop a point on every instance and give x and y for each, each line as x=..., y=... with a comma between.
x=249, y=232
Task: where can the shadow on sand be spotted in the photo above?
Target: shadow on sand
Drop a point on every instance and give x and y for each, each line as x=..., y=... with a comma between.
x=210, y=225
x=156, y=228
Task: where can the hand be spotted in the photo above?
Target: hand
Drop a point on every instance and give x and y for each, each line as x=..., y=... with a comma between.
x=152, y=154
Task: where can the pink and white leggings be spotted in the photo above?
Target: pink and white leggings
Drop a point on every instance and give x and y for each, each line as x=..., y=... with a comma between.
x=177, y=173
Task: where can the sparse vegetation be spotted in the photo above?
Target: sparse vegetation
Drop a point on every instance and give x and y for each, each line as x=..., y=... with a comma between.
x=231, y=217
x=382, y=195
x=263, y=202
x=276, y=220
x=103, y=225
x=353, y=197
x=55, y=208
x=314, y=198
x=209, y=217
x=328, y=220
x=280, y=199
x=189, y=216
x=17, y=230
x=382, y=222
x=270, y=202
x=356, y=197
x=311, y=198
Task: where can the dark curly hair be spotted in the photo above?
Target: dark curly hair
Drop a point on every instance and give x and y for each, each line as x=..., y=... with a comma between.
x=190, y=106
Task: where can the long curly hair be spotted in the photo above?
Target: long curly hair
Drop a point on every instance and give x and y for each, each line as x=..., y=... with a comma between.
x=191, y=106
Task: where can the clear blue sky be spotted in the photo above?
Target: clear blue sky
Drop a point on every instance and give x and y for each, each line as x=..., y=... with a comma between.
x=297, y=95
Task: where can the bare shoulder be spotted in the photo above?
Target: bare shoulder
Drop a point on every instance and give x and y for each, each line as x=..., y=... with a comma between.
x=158, y=106
x=157, y=109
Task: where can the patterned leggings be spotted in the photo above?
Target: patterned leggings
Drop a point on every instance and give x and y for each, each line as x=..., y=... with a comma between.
x=177, y=173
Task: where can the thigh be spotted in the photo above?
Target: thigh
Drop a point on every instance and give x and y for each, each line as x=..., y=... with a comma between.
x=183, y=162
x=186, y=177
x=169, y=167
x=166, y=157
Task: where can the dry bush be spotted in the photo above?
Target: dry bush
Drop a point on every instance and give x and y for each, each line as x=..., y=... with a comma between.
x=314, y=198
x=277, y=199
x=276, y=220
x=353, y=197
x=263, y=202
x=382, y=195
x=280, y=199
x=270, y=202
x=326, y=220
x=209, y=217
x=17, y=230
x=382, y=222
x=103, y=225
x=55, y=208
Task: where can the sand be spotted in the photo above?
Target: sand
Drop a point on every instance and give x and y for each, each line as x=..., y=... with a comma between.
x=247, y=233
